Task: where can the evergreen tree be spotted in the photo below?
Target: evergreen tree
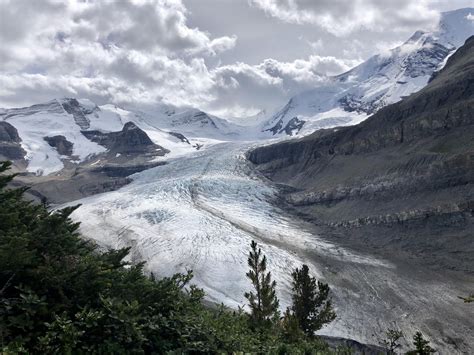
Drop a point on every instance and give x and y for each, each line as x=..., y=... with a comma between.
x=264, y=302
x=311, y=303
x=468, y=299
x=290, y=327
x=391, y=340
x=422, y=346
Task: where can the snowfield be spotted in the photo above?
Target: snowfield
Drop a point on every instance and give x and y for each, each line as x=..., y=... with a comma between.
x=42, y=158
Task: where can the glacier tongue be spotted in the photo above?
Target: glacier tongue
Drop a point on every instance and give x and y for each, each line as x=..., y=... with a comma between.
x=200, y=212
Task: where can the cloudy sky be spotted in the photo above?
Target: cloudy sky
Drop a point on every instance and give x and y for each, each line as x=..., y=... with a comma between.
x=228, y=57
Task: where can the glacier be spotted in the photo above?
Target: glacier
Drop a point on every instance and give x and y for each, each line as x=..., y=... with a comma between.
x=200, y=211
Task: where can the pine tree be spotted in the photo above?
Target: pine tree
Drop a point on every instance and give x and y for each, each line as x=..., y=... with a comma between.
x=264, y=302
x=422, y=346
x=391, y=342
x=311, y=303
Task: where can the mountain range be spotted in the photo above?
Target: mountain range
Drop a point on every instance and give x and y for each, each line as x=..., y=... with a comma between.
x=367, y=178
x=342, y=100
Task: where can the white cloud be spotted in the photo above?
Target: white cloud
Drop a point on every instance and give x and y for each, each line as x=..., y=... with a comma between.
x=151, y=50
x=80, y=49
x=271, y=81
x=341, y=17
x=121, y=51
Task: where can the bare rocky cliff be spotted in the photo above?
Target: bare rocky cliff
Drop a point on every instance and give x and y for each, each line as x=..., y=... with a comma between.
x=10, y=148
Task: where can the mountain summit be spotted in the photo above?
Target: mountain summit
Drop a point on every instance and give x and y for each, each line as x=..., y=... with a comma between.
x=383, y=79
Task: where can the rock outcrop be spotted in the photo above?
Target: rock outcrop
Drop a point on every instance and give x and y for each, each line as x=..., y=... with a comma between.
x=130, y=140
x=78, y=111
x=62, y=145
x=10, y=147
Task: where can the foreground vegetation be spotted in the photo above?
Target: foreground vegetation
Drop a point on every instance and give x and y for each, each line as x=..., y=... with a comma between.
x=59, y=295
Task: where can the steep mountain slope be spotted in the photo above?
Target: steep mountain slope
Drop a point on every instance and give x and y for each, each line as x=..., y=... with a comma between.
x=399, y=186
x=381, y=80
x=409, y=166
x=129, y=141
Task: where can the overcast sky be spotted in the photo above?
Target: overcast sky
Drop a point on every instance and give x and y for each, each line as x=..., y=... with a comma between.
x=228, y=57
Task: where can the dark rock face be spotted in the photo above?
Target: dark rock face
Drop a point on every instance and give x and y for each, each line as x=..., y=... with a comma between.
x=180, y=136
x=8, y=133
x=74, y=108
x=291, y=128
x=408, y=168
x=62, y=145
x=351, y=103
x=130, y=140
x=294, y=126
x=10, y=147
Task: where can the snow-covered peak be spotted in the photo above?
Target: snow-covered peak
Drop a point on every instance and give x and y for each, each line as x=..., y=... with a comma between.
x=383, y=79
x=74, y=121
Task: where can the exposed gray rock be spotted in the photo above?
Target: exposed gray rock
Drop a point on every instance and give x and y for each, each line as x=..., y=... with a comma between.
x=180, y=136
x=10, y=147
x=130, y=140
x=8, y=133
x=78, y=111
x=62, y=145
x=291, y=128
